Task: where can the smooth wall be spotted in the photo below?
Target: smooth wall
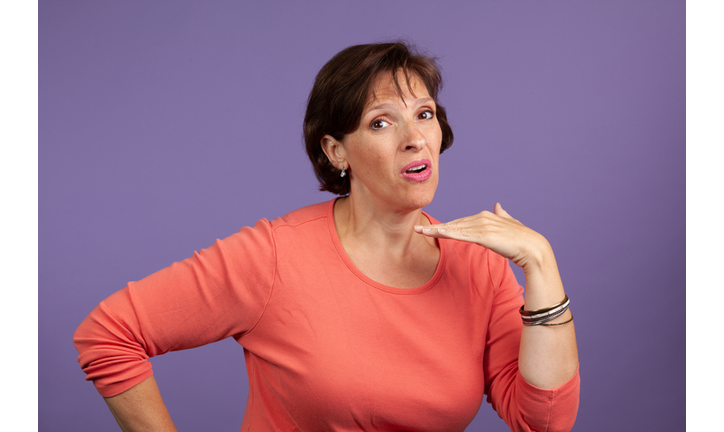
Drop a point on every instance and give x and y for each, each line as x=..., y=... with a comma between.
x=166, y=125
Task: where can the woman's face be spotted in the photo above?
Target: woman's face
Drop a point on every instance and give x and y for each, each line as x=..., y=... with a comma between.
x=393, y=154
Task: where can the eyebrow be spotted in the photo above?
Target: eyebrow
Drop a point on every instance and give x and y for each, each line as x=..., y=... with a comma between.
x=386, y=105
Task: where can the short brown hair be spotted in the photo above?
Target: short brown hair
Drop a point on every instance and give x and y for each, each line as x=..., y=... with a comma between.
x=340, y=91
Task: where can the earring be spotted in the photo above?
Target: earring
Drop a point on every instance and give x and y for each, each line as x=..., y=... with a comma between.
x=343, y=173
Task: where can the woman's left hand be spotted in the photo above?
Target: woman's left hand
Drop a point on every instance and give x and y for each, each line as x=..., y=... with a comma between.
x=547, y=359
x=497, y=231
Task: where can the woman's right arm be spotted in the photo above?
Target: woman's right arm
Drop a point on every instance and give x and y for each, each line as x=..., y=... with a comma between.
x=141, y=409
x=217, y=293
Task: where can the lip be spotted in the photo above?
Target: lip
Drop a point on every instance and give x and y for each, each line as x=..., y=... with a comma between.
x=422, y=175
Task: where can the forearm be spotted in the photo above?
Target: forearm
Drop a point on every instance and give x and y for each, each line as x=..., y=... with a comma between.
x=548, y=355
x=141, y=408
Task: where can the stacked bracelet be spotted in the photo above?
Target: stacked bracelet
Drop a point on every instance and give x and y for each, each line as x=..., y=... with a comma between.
x=557, y=324
x=541, y=316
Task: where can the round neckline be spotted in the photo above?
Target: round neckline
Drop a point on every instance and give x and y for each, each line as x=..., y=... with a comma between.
x=369, y=281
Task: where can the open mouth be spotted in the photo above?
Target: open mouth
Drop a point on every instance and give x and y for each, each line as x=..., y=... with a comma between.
x=416, y=169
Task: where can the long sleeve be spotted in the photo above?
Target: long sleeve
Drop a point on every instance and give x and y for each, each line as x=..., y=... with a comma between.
x=217, y=293
x=287, y=291
x=521, y=405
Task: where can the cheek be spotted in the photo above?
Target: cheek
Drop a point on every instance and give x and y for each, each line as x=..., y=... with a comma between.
x=435, y=148
x=370, y=162
x=436, y=136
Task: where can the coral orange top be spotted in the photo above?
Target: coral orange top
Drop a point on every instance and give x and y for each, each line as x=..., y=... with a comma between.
x=326, y=347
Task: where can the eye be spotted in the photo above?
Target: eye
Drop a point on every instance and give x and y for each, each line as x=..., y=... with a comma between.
x=378, y=124
x=426, y=115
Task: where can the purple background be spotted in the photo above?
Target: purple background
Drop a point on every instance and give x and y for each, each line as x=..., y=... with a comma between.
x=164, y=126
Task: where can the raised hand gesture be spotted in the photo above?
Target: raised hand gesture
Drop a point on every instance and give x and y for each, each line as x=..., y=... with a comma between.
x=497, y=231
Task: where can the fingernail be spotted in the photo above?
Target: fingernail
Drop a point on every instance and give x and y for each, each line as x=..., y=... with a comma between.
x=427, y=230
x=418, y=227
x=441, y=230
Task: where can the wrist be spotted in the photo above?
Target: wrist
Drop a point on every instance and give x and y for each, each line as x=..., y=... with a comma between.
x=539, y=257
x=543, y=285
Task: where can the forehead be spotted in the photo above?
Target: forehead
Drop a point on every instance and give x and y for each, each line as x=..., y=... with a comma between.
x=402, y=86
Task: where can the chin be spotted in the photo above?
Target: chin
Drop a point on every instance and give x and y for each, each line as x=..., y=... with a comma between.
x=425, y=203
x=420, y=199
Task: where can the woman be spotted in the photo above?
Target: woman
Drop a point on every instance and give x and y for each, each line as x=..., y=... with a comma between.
x=362, y=313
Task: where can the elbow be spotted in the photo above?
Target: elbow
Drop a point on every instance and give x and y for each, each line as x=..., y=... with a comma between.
x=105, y=339
x=110, y=353
x=89, y=339
x=82, y=337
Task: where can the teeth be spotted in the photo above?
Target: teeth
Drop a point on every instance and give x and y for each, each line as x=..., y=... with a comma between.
x=417, y=168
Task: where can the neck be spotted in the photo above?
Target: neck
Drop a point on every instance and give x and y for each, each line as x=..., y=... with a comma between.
x=361, y=224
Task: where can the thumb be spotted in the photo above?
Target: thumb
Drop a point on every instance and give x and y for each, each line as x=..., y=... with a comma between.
x=498, y=209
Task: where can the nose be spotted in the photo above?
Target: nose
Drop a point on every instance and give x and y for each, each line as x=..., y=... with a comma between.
x=413, y=138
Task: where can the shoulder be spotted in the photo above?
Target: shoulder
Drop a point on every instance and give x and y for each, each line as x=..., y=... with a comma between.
x=479, y=263
x=265, y=234
x=301, y=216
x=308, y=227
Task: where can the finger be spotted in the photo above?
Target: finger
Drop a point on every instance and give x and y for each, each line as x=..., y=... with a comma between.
x=499, y=211
x=462, y=234
x=464, y=231
x=465, y=225
x=467, y=221
x=426, y=228
x=432, y=231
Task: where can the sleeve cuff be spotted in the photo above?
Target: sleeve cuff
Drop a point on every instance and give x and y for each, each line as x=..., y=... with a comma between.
x=551, y=409
x=114, y=389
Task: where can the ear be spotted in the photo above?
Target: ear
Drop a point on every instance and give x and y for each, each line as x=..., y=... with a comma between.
x=334, y=151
